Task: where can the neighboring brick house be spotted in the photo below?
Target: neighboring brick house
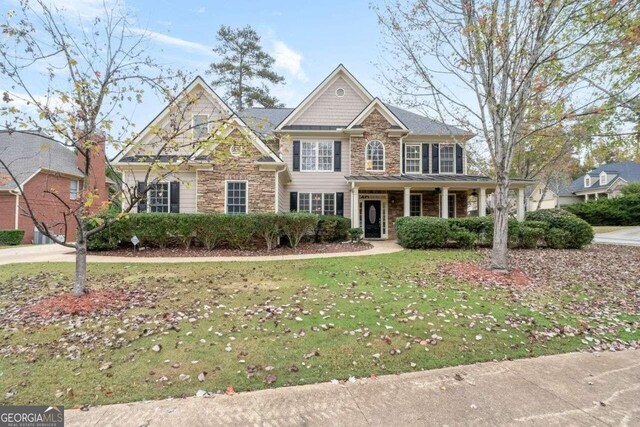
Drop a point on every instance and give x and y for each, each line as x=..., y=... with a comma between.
x=43, y=166
x=341, y=151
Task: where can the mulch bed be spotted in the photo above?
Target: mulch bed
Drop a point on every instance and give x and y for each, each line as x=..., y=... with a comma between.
x=303, y=248
x=477, y=273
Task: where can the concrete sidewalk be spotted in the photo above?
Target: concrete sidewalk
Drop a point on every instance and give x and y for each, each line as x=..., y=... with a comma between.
x=628, y=237
x=57, y=253
x=570, y=389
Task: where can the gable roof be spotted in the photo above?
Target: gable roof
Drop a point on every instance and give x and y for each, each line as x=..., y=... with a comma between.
x=421, y=125
x=628, y=171
x=199, y=81
x=378, y=105
x=340, y=70
x=27, y=152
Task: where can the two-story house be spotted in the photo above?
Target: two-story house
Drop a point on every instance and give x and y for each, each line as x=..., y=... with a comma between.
x=340, y=151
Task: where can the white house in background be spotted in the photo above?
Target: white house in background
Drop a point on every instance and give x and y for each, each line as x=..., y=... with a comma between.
x=536, y=195
x=604, y=181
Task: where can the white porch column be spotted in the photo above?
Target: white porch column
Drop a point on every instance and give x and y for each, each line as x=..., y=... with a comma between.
x=586, y=197
x=444, y=202
x=355, y=208
x=520, y=204
x=482, y=202
x=596, y=196
x=407, y=201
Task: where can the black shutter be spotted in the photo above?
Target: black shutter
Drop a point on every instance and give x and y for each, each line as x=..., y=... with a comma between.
x=293, y=201
x=296, y=155
x=435, y=158
x=142, y=204
x=425, y=158
x=402, y=148
x=337, y=156
x=174, y=197
x=340, y=204
x=459, y=158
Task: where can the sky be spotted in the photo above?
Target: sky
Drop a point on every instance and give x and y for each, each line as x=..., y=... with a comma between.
x=307, y=39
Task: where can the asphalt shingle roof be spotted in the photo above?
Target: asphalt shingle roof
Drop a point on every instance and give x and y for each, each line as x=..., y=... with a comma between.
x=629, y=171
x=26, y=152
x=264, y=120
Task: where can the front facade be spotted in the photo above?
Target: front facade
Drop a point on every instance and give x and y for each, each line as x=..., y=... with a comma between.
x=604, y=181
x=340, y=152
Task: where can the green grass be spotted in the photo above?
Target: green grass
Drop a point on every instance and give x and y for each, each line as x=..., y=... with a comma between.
x=366, y=300
x=609, y=228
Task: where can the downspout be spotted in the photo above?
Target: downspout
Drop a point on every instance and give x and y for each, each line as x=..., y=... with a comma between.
x=16, y=213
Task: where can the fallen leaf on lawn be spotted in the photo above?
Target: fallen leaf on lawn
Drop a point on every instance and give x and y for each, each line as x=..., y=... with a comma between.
x=229, y=391
x=201, y=376
x=105, y=366
x=271, y=379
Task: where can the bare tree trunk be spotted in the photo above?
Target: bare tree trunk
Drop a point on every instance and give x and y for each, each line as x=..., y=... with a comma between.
x=501, y=224
x=81, y=262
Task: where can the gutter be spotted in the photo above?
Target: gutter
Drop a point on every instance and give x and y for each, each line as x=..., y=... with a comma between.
x=277, y=201
x=17, y=209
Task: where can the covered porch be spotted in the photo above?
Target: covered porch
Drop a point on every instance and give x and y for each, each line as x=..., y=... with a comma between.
x=377, y=201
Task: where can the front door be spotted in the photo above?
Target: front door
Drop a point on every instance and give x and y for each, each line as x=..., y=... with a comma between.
x=372, y=213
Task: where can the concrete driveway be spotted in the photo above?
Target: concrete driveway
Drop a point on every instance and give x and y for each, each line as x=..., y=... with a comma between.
x=574, y=389
x=628, y=236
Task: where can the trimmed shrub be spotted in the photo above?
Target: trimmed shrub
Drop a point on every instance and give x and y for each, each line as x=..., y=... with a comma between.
x=332, y=228
x=557, y=238
x=209, y=230
x=268, y=228
x=530, y=237
x=184, y=228
x=464, y=239
x=240, y=231
x=11, y=237
x=423, y=232
x=617, y=211
x=297, y=225
x=355, y=234
x=578, y=232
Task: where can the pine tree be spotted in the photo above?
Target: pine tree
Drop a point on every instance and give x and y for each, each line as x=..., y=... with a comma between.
x=244, y=68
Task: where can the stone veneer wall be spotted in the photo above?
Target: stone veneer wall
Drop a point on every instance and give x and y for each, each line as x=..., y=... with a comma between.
x=375, y=128
x=261, y=184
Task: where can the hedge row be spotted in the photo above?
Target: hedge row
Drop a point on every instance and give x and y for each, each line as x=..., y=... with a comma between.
x=553, y=228
x=617, y=211
x=11, y=237
x=213, y=231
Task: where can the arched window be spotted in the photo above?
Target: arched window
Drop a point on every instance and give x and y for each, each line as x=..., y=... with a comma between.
x=374, y=156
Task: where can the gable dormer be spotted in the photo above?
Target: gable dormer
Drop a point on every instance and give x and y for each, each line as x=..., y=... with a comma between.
x=604, y=179
x=333, y=104
x=587, y=181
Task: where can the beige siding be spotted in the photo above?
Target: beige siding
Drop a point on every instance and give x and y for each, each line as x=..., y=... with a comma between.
x=197, y=102
x=329, y=109
x=318, y=182
x=187, y=186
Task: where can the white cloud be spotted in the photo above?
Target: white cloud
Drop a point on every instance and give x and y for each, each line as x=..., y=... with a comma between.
x=173, y=41
x=289, y=60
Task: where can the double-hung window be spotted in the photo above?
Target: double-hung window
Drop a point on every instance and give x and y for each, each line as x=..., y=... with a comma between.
x=236, y=197
x=447, y=158
x=200, y=126
x=74, y=189
x=317, y=156
x=413, y=158
x=158, y=196
x=317, y=203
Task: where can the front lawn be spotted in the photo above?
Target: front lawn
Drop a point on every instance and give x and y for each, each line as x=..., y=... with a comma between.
x=206, y=326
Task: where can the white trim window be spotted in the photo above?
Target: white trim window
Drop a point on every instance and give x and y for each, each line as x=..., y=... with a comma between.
x=158, y=197
x=603, y=178
x=316, y=156
x=587, y=180
x=317, y=203
x=200, y=126
x=447, y=158
x=74, y=189
x=413, y=158
x=374, y=156
x=236, y=197
x=415, y=205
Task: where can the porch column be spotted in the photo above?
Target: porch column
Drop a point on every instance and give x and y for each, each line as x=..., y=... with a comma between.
x=482, y=202
x=520, y=204
x=586, y=197
x=407, y=201
x=444, y=203
x=355, y=208
x=596, y=196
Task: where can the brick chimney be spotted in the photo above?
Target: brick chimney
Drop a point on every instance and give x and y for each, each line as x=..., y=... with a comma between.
x=98, y=169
